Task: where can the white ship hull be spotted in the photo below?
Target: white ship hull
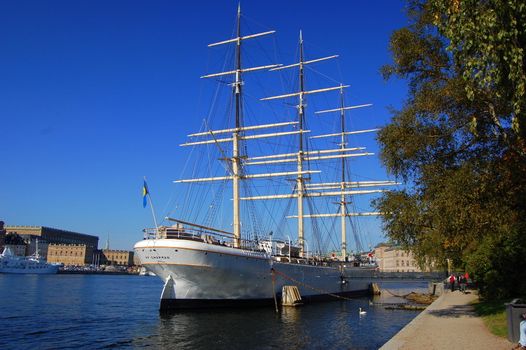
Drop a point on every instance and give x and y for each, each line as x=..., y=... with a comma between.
x=198, y=274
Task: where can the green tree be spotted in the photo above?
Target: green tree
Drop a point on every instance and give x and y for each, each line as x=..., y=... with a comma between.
x=458, y=142
x=488, y=41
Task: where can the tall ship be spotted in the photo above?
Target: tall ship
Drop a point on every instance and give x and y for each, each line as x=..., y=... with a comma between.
x=284, y=189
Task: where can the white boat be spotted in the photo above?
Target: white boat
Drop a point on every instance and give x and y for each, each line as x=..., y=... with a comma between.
x=203, y=266
x=145, y=272
x=10, y=263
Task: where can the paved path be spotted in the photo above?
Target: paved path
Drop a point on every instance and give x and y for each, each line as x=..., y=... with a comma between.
x=449, y=323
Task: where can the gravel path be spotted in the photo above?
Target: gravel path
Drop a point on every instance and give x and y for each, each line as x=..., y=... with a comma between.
x=449, y=323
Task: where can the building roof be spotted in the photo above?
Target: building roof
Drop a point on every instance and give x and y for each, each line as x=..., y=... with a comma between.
x=45, y=228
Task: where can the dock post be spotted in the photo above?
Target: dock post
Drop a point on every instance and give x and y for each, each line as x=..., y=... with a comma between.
x=290, y=296
x=375, y=289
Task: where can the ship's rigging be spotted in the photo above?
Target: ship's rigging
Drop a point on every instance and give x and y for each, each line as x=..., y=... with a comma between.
x=303, y=190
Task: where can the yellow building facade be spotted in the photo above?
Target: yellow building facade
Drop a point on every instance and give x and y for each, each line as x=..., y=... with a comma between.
x=70, y=254
x=47, y=236
x=116, y=257
x=394, y=259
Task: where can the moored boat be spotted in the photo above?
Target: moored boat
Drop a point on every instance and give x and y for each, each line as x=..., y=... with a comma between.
x=10, y=263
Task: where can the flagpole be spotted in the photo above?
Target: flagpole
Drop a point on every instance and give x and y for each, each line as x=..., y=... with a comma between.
x=153, y=212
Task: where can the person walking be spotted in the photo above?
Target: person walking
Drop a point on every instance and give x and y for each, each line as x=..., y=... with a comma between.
x=452, y=282
x=462, y=283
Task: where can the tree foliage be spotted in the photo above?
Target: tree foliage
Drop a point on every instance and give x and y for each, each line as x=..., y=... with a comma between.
x=488, y=41
x=458, y=140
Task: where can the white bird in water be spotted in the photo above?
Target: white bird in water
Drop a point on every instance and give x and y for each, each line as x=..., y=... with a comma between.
x=362, y=312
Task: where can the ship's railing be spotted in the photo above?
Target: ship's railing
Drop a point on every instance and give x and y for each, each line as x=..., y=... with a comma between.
x=197, y=234
x=255, y=245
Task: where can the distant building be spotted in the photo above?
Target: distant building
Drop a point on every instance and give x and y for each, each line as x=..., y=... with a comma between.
x=71, y=254
x=116, y=257
x=48, y=235
x=391, y=258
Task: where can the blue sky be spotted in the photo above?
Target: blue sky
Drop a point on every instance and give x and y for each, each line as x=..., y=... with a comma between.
x=94, y=95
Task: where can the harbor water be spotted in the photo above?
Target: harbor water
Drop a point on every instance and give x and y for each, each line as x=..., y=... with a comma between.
x=111, y=311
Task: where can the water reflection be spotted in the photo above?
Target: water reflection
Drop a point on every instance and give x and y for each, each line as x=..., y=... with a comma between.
x=331, y=325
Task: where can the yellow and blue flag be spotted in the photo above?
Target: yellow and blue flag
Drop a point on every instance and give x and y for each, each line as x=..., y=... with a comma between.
x=144, y=194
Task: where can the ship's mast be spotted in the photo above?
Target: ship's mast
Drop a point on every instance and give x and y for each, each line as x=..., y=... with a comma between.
x=344, y=185
x=235, y=137
x=238, y=133
x=343, y=208
x=300, y=180
x=301, y=156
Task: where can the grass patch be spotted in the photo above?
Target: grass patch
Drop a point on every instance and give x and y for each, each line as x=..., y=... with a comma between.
x=493, y=313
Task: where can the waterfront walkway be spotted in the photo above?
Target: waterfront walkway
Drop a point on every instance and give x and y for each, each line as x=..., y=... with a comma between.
x=449, y=323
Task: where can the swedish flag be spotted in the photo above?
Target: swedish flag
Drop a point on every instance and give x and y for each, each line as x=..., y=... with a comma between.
x=144, y=193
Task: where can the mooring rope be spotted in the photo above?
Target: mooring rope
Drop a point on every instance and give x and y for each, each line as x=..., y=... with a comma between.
x=274, y=290
x=307, y=286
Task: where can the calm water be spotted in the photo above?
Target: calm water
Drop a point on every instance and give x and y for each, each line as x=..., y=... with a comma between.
x=99, y=312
